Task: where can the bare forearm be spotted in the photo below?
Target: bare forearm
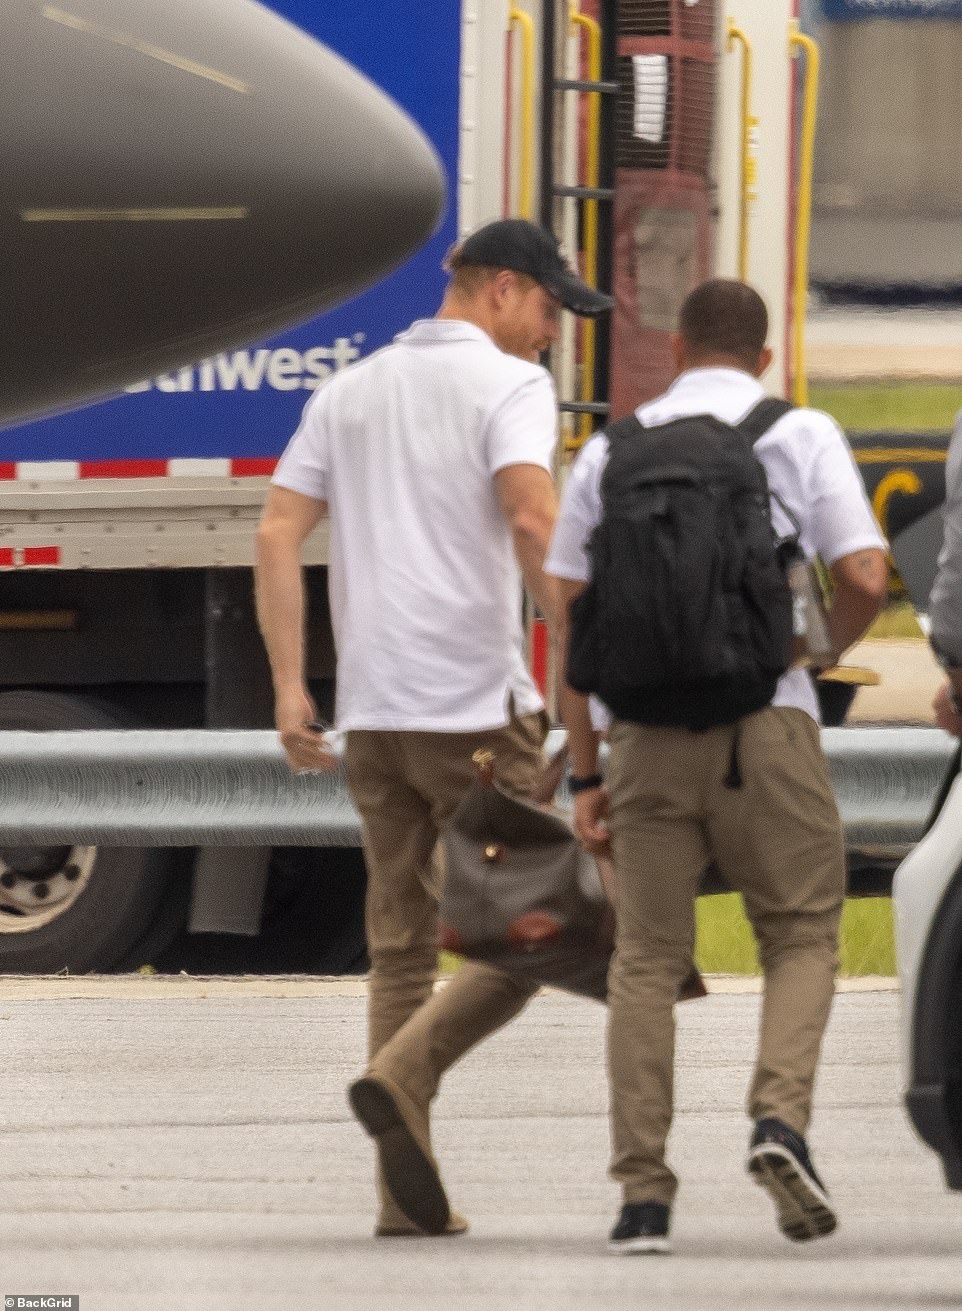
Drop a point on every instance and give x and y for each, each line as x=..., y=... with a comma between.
x=849, y=618
x=530, y=547
x=582, y=737
x=529, y=503
x=279, y=589
x=287, y=520
x=861, y=585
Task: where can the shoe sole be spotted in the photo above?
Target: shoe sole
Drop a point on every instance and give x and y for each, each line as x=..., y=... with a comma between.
x=804, y=1211
x=640, y=1247
x=409, y=1174
x=385, y=1231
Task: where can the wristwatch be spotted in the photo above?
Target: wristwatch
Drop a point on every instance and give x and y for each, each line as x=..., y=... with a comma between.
x=584, y=784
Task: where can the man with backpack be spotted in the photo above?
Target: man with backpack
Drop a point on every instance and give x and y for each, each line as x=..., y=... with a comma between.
x=676, y=531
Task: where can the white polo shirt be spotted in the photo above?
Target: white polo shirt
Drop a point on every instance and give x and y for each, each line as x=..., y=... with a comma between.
x=806, y=458
x=424, y=586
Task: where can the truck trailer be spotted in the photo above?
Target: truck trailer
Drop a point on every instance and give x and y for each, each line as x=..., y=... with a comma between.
x=663, y=140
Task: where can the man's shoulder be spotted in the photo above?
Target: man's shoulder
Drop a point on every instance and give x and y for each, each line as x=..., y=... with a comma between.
x=813, y=421
x=805, y=436
x=512, y=371
x=356, y=375
x=479, y=363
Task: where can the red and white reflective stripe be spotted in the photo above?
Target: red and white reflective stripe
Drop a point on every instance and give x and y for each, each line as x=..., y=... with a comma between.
x=28, y=557
x=72, y=470
x=539, y=655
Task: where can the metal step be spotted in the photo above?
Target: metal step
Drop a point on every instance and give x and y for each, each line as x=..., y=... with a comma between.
x=575, y=84
x=584, y=407
x=584, y=193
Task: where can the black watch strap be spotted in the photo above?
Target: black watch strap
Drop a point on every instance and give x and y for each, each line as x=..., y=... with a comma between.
x=584, y=784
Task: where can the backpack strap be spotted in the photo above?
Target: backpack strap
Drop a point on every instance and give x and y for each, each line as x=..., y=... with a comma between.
x=757, y=422
x=762, y=418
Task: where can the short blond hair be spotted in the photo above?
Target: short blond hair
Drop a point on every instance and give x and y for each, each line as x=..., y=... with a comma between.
x=468, y=279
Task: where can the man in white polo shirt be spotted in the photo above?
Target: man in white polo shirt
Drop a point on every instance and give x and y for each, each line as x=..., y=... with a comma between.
x=674, y=798
x=434, y=459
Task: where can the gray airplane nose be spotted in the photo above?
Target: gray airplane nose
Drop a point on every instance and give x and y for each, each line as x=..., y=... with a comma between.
x=180, y=178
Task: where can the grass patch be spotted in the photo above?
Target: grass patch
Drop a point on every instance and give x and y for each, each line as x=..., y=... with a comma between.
x=901, y=407
x=897, y=620
x=726, y=946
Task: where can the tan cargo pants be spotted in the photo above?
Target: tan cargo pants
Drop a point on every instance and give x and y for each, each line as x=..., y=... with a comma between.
x=778, y=840
x=406, y=786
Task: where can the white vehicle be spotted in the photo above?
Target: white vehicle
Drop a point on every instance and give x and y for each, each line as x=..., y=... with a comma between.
x=928, y=909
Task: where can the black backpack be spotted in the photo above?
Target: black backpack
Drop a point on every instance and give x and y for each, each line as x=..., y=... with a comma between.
x=687, y=617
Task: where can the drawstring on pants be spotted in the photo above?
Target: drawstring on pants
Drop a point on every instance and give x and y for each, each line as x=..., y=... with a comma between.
x=734, y=779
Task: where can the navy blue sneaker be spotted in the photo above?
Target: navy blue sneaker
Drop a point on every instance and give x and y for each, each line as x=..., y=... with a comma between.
x=778, y=1160
x=641, y=1227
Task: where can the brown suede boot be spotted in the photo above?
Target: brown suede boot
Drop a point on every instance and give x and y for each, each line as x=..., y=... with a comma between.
x=393, y=1223
x=400, y=1131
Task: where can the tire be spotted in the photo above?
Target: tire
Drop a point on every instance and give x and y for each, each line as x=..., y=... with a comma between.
x=99, y=902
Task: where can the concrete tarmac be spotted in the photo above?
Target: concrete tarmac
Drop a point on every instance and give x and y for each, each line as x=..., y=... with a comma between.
x=852, y=343
x=185, y=1145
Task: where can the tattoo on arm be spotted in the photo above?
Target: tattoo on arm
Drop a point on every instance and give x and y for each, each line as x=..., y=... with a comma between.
x=867, y=562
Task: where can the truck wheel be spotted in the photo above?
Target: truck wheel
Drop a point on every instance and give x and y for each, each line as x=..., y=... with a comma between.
x=76, y=908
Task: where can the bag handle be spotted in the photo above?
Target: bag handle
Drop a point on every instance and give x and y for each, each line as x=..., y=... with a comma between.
x=550, y=778
x=547, y=784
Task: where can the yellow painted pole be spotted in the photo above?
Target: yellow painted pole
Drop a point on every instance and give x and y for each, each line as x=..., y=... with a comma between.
x=798, y=43
x=592, y=30
x=525, y=25
x=748, y=168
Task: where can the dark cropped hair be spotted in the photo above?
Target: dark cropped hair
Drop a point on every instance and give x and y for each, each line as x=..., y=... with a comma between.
x=725, y=317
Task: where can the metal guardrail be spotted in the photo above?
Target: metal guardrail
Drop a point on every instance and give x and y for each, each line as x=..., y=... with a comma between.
x=886, y=781
x=233, y=789
x=180, y=788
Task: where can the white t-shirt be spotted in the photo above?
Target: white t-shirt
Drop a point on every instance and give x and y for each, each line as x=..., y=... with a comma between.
x=806, y=458
x=424, y=585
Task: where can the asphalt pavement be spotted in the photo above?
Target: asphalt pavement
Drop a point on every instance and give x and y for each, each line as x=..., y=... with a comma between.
x=188, y=1145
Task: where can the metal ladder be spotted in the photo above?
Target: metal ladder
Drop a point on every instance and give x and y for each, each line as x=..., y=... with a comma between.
x=596, y=196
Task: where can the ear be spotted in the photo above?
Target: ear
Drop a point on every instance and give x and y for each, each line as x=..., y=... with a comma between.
x=503, y=284
x=764, y=362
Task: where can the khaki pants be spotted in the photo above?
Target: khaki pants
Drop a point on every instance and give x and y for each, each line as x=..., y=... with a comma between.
x=778, y=840
x=406, y=786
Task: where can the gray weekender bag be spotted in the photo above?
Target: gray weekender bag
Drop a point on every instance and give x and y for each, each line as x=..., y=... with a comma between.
x=521, y=893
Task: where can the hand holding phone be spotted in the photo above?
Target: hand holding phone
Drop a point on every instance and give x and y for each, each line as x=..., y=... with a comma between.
x=302, y=733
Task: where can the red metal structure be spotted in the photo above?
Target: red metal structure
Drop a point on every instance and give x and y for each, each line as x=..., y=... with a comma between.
x=666, y=68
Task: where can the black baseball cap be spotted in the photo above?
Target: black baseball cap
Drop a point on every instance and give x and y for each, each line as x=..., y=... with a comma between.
x=527, y=248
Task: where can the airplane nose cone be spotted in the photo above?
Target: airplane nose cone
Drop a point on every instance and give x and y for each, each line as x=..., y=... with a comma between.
x=180, y=178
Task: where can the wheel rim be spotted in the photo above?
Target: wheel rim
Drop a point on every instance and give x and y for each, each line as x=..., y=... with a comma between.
x=38, y=884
